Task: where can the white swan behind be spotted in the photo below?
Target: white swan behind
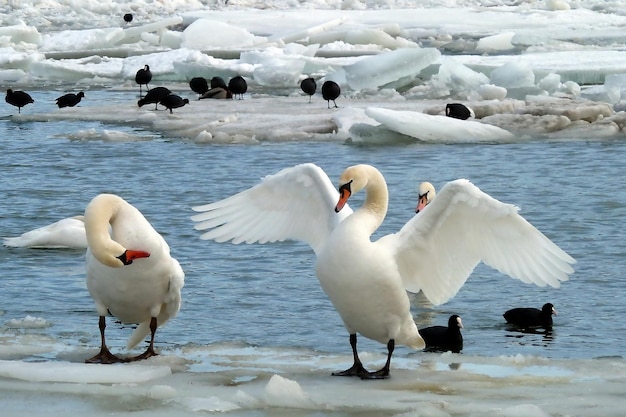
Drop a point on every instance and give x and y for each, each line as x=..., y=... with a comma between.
x=130, y=272
x=65, y=233
x=435, y=252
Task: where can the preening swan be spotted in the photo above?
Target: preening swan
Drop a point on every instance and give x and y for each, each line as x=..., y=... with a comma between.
x=434, y=252
x=130, y=273
x=65, y=233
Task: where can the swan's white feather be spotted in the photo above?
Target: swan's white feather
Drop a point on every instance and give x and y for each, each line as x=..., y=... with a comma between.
x=439, y=247
x=295, y=203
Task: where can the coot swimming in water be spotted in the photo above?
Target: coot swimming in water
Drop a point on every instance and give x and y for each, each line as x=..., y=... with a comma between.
x=528, y=317
x=442, y=338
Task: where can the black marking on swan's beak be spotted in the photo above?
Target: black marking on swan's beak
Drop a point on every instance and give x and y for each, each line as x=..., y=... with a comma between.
x=129, y=256
x=422, y=201
x=344, y=195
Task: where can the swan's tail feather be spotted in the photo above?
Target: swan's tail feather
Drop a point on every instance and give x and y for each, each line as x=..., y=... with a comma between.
x=168, y=310
x=138, y=335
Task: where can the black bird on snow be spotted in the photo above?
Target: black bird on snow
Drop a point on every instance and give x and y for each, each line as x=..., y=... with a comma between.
x=143, y=76
x=218, y=82
x=69, y=100
x=238, y=86
x=154, y=96
x=442, y=338
x=459, y=111
x=309, y=86
x=528, y=317
x=172, y=101
x=330, y=91
x=18, y=99
x=199, y=85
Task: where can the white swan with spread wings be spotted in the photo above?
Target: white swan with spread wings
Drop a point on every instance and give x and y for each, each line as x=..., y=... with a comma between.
x=434, y=252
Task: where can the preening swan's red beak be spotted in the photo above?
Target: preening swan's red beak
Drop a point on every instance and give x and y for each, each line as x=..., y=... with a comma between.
x=344, y=195
x=130, y=255
x=421, y=202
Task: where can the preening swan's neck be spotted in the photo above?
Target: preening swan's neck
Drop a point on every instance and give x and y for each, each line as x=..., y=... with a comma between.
x=376, y=198
x=99, y=214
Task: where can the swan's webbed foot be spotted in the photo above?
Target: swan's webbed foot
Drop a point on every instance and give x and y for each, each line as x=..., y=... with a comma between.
x=361, y=372
x=380, y=374
x=147, y=354
x=355, y=370
x=105, y=357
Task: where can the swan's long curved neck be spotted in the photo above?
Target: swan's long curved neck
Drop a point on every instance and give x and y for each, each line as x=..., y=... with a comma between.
x=98, y=216
x=376, y=198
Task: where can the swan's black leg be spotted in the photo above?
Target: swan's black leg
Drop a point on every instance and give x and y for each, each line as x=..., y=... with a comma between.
x=104, y=356
x=357, y=368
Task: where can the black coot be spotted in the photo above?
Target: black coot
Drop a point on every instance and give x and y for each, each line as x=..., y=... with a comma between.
x=154, y=96
x=172, y=101
x=143, y=76
x=18, y=99
x=528, y=317
x=199, y=85
x=330, y=91
x=238, y=86
x=309, y=86
x=442, y=338
x=69, y=100
x=459, y=111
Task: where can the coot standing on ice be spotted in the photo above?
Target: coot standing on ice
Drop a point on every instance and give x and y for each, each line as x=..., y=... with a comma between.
x=18, y=99
x=172, y=101
x=69, y=100
x=238, y=86
x=309, y=86
x=143, y=76
x=199, y=85
x=154, y=96
x=330, y=91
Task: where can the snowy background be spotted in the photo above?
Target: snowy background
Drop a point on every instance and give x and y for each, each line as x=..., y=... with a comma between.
x=530, y=69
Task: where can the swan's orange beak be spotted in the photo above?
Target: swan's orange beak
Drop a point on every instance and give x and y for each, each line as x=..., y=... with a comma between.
x=344, y=195
x=421, y=202
x=130, y=255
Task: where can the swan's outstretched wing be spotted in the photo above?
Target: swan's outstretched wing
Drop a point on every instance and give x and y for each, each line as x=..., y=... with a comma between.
x=296, y=203
x=439, y=247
